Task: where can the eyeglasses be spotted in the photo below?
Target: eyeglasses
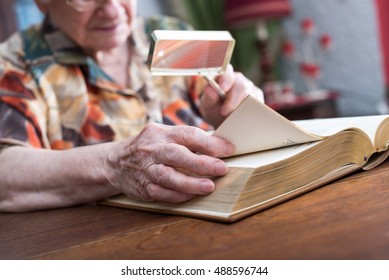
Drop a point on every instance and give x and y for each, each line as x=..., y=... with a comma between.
x=86, y=5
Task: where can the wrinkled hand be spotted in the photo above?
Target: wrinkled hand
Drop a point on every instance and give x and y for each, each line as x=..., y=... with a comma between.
x=236, y=86
x=155, y=165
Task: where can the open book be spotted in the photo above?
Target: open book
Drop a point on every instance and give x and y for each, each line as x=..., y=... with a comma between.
x=277, y=159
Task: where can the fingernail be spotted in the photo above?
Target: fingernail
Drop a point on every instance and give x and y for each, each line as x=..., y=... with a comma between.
x=230, y=148
x=220, y=168
x=207, y=186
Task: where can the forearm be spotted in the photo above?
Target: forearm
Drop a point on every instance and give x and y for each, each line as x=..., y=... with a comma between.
x=146, y=167
x=32, y=179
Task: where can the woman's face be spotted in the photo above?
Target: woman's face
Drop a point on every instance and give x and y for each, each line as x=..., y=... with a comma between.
x=100, y=29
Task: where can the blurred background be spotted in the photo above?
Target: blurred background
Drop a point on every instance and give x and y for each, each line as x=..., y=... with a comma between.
x=312, y=58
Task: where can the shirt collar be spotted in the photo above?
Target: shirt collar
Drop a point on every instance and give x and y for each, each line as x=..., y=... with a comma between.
x=65, y=51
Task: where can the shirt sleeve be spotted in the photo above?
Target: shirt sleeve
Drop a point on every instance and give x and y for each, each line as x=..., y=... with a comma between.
x=18, y=123
x=16, y=128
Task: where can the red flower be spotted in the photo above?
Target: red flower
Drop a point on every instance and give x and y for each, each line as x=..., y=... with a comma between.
x=307, y=25
x=325, y=41
x=288, y=48
x=310, y=70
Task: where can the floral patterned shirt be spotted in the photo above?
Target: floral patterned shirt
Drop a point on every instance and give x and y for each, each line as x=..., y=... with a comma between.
x=53, y=96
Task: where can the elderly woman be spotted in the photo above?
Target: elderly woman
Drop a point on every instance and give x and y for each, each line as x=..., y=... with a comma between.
x=81, y=79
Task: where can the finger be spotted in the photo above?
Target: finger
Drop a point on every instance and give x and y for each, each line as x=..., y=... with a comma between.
x=170, y=178
x=227, y=80
x=178, y=156
x=157, y=193
x=194, y=138
x=257, y=93
x=210, y=98
x=237, y=94
x=198, y=140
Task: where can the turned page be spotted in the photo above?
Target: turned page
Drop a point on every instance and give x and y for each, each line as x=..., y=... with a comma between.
x=253, y=127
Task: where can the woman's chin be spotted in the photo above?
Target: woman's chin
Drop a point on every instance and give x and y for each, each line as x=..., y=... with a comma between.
x=107, y=45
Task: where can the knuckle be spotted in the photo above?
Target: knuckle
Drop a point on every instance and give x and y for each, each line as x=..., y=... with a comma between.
x=153, y=192
x=171, y=155
x=190, y=134
x=239, y=76
x=200, y=166
x=152, y=126
x=151, y=129
x=163, y=175
x=159, y=173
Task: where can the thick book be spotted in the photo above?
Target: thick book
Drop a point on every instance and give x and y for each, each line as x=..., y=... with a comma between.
x=277, y=159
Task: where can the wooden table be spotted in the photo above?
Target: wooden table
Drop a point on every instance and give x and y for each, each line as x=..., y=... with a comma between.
x=348, y=219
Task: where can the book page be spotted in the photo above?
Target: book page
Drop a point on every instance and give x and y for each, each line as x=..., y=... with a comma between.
x=327, y=127
x=253, y=126
x=263, y=158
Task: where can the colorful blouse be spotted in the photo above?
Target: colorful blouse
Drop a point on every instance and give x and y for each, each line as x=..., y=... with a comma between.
x=55, y=97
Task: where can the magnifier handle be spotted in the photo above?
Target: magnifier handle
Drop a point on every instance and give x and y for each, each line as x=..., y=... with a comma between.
x=216, y=87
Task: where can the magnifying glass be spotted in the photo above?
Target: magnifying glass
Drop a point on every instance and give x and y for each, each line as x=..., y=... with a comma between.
x=191, y=53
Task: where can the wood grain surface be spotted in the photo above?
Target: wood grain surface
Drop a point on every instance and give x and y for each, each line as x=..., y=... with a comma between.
x=348, y=219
